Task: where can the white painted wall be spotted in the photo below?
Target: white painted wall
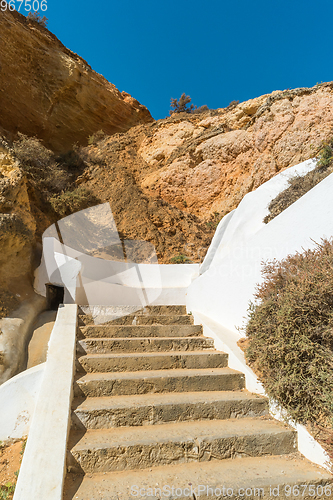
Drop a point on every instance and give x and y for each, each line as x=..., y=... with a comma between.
x=17, y=403
x=46, y=447
x=223, y=292
x=94, y=281
x=219, y=298
x=216, y=241
x=16, y=331
x=247, y=219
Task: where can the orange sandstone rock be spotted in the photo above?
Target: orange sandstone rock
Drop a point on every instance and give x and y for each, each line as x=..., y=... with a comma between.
x=52, y=93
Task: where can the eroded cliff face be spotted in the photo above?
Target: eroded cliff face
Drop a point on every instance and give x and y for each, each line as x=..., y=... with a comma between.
x=208, y=163
x=49, y=92
x=17, y=232
x=170, y=181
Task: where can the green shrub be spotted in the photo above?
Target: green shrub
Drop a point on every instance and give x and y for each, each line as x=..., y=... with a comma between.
x=180, y=259
x=69, y=202
x=7, y=491
x=300, y=185
x=290, y=333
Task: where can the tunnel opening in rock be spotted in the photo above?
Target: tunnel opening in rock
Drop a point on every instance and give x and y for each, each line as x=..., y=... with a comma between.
x=54, y=296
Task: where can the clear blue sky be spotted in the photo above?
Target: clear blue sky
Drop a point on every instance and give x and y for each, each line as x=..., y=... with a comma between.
x=215, y=51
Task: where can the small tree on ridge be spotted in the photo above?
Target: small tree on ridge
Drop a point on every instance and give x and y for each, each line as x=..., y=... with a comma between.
x=180, y=105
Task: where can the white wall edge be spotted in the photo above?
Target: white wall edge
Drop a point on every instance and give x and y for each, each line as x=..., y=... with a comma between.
x=225, y=340
x=47, y=441
x=18, y=398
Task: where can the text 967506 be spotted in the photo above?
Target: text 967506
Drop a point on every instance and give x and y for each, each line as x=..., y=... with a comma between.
x=24, y=5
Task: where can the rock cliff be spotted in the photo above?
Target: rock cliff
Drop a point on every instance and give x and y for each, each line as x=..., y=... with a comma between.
x=48, y=91
x=207, y=163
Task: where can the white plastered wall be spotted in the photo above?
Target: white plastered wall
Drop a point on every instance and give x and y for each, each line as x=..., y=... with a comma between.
x=219, y=298
x=230, y=281
x=17, y=403
x=94, y=281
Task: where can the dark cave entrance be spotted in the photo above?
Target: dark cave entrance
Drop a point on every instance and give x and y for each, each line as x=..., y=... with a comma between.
x=54, y=296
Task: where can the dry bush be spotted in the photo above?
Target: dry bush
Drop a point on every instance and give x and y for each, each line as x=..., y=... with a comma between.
x=299, y=185
x=53, y=177
x=69, y=202
x=182, y=105
x=232, y=105
x=38, y=18
x=39, y=164
x=290, y=332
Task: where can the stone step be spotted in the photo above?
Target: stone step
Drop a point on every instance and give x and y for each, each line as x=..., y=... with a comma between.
x=92, y=363
x=100, y=311
x=172, y=309
x=241, y=478
x=153, y=344
x=137, y=319
x=153, y=409
x=159, y=381
x=128, y=331
x=128, y=448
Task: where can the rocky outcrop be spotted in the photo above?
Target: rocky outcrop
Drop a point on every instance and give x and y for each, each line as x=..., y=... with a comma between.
x=208, y=163
x=17, y=224
x=49, y=92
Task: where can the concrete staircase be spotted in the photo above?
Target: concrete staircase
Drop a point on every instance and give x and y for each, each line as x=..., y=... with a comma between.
x=157, y=412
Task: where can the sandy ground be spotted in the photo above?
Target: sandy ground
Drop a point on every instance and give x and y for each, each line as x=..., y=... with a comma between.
x=37, y=349
x=10, y=463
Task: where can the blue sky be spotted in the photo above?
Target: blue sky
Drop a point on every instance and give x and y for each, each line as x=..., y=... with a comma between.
x=216, y=51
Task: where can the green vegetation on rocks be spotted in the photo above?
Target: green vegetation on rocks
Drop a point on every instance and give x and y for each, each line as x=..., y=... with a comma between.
x=180, y=259
x=69, y=202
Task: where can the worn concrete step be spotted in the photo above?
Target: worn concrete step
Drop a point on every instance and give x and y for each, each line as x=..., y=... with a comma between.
x=130, y=362
x=104, y=311
x=128, y=331
x=128, y=448
x=159, y=381
x=150, y=344
x=171, y=309
x=241, y=478
x=137, y=319
x=153, y=409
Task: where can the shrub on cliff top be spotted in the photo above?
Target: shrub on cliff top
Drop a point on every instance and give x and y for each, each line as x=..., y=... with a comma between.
x=180, y=105
x=290, y=332
x=36, y=17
